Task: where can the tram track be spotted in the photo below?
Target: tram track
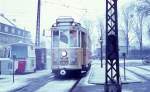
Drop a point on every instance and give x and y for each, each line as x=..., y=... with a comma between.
x=138, y=74
x=49, y=84
x=35, y=84
x=148, y=70
x=60, y=85
x=72, y=88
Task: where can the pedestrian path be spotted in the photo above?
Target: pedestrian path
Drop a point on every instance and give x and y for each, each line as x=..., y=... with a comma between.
x=137, y=79
x=97, y=75
x=141, y=71
x=7, y=84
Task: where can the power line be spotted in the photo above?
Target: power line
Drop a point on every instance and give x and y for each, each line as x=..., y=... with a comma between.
x=69, y=6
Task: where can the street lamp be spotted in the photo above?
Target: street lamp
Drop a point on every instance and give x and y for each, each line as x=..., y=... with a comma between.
x=101, y=43
x=14, y=58
x=124, y=56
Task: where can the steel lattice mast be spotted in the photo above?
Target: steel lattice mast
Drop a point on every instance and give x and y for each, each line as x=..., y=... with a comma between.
x=37, y=39
x=112, y=76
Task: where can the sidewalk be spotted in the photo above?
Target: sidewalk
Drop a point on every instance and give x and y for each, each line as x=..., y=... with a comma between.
x=6, y=81
x=133, y=74
x=97, y=74
x=137, y=78
x=130, y=61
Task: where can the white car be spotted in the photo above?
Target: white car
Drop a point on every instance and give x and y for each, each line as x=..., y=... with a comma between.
x=146, y=60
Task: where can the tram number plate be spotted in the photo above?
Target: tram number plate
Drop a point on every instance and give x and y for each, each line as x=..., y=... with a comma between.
x=64, y=62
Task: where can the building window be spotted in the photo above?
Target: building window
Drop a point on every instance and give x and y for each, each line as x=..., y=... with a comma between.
x=22, y=33
x=13, y=30
x=9, y=29
x=6, y=28
x=16, y=32
x=19, y=32
x=0, y=27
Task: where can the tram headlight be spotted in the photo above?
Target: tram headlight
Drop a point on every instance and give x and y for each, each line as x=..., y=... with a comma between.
x=64, y=53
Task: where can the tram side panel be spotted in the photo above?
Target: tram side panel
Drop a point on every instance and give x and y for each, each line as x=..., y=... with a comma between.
x=80, y=57
x=31, y=65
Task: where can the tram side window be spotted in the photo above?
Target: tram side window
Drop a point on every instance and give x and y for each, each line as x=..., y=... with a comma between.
x=55, y=38
x=15, y=50
x=83, y=40
x=79, y=37
x=73, y=38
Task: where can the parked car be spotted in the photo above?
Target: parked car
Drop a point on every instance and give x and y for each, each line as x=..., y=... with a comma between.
x=146, y=60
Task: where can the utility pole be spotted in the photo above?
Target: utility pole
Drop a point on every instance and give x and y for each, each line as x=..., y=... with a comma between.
x=112, y=75
x=37, y=39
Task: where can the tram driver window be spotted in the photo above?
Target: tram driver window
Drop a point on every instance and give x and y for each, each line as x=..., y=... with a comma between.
x=73, y=38
x=55, y=38
x=63, y=39
x=83, y=40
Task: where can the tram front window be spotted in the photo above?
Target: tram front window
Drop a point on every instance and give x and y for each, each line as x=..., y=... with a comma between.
x=64, y=39
x=73, y=38
x=55, y=38
x=19, y=51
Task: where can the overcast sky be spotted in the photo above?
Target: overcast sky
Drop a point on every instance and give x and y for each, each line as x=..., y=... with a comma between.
x=24, y=11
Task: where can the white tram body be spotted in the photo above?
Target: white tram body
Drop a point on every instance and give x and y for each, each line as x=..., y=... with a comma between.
x=70, y=48
x=24, y=61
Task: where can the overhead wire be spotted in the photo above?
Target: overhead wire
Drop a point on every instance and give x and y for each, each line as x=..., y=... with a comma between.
x=69, y=6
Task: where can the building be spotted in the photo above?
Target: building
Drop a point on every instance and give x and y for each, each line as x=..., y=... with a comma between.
x=10, y=33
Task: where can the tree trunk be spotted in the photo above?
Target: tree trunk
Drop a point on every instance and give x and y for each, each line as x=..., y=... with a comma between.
x=141, y=40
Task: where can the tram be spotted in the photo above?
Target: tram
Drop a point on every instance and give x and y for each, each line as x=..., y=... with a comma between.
x=25, y=57
x=21, y=56
x=71, y=47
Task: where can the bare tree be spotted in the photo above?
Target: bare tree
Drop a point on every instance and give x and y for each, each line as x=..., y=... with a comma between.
x=87, y=24
x=128, y=14
x=148, y=30
x=134, y=15
x=142, y=10
x=100, y=28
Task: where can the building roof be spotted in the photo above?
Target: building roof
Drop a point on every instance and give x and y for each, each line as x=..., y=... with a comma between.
x=5, y=20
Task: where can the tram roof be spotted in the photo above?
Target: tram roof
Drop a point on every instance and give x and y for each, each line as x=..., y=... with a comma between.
x=60, y=27
x=64, y=20
x=20, y=43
